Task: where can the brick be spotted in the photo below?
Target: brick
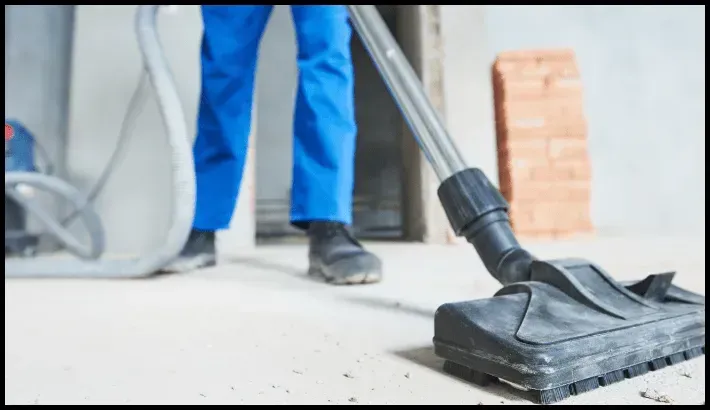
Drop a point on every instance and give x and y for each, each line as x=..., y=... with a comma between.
x=504, y=132
x=519, y=167
x=551, y=217
x=542, y=171
x=529, y=122
x=536, y=92
x=534, y=190
x=541, y=128
x=526, y=88
x=541, y=116
x=558, y=112
x=567, y=149
x=516, y=172
x=520, y=172
x=569, y=171
x=525, y=149
x=567, y=105
x=567, y=79
x=534, y=69
x=557, y=54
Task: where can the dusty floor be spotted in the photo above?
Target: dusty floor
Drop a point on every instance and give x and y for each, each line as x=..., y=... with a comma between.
x=255, y=330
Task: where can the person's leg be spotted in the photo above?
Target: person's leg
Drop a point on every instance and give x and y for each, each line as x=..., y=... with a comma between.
x=324, y=146
x=230, y=43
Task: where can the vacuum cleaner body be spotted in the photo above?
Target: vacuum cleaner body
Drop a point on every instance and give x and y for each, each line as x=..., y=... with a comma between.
x=556, y=328
x=19, y=157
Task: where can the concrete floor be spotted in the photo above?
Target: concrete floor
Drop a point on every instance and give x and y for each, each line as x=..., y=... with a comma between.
x=255, y=330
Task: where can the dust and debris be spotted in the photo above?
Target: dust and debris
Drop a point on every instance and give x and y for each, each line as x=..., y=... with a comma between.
x=202, y=395
x=656, y=396
x=297, y=371
x=273, y=386
x=686, y=373
x=319, y=381
x=349, y=375
x=231, y=387
x=480, y=403
x=353, y=400
x=288, y=391
x=407, y=375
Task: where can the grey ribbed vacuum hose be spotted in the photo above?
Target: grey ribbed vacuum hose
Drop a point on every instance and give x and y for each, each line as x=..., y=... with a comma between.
x=183, y=184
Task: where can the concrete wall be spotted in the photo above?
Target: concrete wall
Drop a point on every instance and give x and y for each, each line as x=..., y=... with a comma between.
x=643, y=68
x=467, y=87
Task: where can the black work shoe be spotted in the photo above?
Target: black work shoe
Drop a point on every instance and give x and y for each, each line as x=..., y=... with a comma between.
x=199, y=252
x=336, y=256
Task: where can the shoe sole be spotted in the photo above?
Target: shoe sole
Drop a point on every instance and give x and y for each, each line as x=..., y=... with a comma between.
x=334, y=276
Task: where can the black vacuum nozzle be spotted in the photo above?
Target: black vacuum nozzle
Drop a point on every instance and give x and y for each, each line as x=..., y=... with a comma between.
x=556, y=328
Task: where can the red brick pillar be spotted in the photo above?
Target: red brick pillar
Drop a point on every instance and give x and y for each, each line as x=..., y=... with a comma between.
x=544, y=168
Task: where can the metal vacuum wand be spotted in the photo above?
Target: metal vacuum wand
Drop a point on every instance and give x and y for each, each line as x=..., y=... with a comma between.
x=475, y=208
x=404, y=84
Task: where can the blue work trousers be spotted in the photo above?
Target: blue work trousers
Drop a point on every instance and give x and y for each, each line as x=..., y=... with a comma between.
x=324, y=127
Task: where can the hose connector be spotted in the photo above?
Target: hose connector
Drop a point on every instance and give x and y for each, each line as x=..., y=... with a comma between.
x=477, y=211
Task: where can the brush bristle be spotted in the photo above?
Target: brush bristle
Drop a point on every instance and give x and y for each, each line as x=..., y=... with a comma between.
x=583, y=386
x=658, y=364
x=693, y=353
x=560, y=393
x=675, y=359
x=557, y=394
x=554, y=395
x=611, y=378
x=637, y=370
x=473, y=376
